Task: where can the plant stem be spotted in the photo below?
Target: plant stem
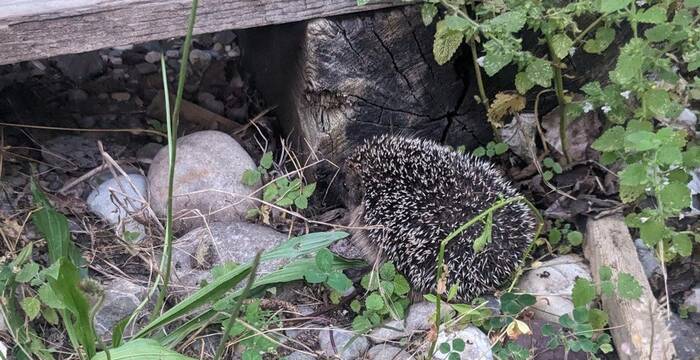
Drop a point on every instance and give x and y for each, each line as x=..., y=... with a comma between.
x=477, y=72
x=559, y=88
x=172, y=123
x=441, y=256
x=587, y=30
x=237, y=307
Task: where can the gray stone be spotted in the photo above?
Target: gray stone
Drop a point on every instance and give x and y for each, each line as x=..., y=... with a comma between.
x=650, y=263
x=86, y=122
x=80, y=67
x=121, y=298
x=298, y=355
x=693, y=299
x=553, y=282
x=148, y=151
x=348, y=345
x=146, y=68
x=70, y=152
x=152, y=57
x=387, y=352
x=224, y=37
x=209, y=102
x=172, y=53
x=200, y=59
x=77, y=95
x=208, y=173
x=477, y=344
x=421, y=316
x=686, y=337
x=121, y=96
x=391, y=330
x=117, y=200
x=195, y=253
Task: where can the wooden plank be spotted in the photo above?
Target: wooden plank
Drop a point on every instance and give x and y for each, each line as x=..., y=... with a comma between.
x=32, y=29
x=638, y=327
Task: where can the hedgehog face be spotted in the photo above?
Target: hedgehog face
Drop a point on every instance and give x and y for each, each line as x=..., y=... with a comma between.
x=353, y=190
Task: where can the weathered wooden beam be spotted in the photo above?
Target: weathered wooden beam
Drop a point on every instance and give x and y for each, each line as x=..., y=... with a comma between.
x=638, y=327
x=32, y=29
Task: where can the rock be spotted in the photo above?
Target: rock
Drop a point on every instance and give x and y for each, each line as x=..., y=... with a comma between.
x=693, y=299
x=86, y=122
x=209, y=102
x=146, y=68
x=553, y=281
x=152, y=57
x=347, y=345
x=77, y=95
x=3, y=350
x=686, y=337
x=195, y=253
x=224, y=37
x=421, y=316
x=392, y=330
x=298, y=355
x=172, y=53
x=200, y=59
x=148, y=151
x=387, y=352
x=210, y=163
x=3, y=326
x=70, y=152
x=477, y=344
x=80, y=67
x=121, y=96
x=536, y=343
x=646, y=256
x=116, y=200
x=121, y=298
x=297, y=330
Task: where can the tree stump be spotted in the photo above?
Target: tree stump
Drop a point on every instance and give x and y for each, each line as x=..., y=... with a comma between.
x=338, y=81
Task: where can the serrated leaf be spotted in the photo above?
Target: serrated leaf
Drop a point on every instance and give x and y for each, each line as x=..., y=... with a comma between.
x=605, y=273
x=50, y=315
x=28, y=271
x=634, y=175
x=652, y=231
x=494, y=62
x=301, y=202
x=356, y=306
x=500, y=148
x=428, y=12
x=540, y=72
x=251, y=177
x=361, y=324
x=31, y=307
x=675, y=196
x=374, y=302
x=270, y=193
x=446, y=42
x=401, y=285
x=458, y=345
x=387, y=271
x=669, y=154
x=657, y=101
x=630, y=193
x=324, y=260
x=308, y=190
x=444, y=347
x=511, y=21
x=49, y=298
x=607, y=288
x=266, y=161
x=575, y=238
x=604, y=36
x=659, y=32
x=608, y=6
x=583, y=292
x=611, y=140
x=598, y=318
x=561, y=44
x=691, y=157
x=682, y=244
x=457, y=23
x=315, y=276
x=523, y=83
x=628, y=287
x=653, y=15
x=641, y=141
x=338, y=281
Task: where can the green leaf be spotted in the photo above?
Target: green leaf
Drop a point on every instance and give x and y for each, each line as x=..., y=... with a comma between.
x=271, y=192
x=605, y=273
x=641, y=141
x=511, y=21
x=49, y=298
x=583, y=292
x=659, y=32
x=561, y=44
x=629, y=63
x=338, y=281
x=669, y=154
x=428, y=12
x=540, y=72
x=387, y=271
x=608, y=6
x=31, y=307
x=604, y=36
x=675, y=196
x=28, y=271
x=356, y=306
x=653, y=15
x=630, y=193
x=457, y=23
x=266, y=161
x=575, y=238
x=251, y=177
x=494, y=62
x=657, y=101
x=554, y=236
x=301, y=202
x=500, y=148
x=598, y=318
x=606, y=348
x=628, y=287
x=611, y=140
x=682, y=244
x=324, y=260
x=458, y=345
x=308, y=190
x=690, y=4
x=652, y=231
x=691, y=157
x=146, y=349
x=444, y=347
x=374, y=302
x=523, y=83
x=50, y=315
x=361, y=324
x=607, y=288
x=634, y=174
x=446, y=42
x=401, y=285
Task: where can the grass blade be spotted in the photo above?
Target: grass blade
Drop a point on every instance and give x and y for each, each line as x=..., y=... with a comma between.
x=142, y=349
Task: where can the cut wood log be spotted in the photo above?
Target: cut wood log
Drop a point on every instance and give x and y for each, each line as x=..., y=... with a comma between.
x=341, y=80
x=32, y=29
x=638, y=327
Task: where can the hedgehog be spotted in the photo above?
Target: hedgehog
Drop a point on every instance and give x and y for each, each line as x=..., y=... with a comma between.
x=405, y=195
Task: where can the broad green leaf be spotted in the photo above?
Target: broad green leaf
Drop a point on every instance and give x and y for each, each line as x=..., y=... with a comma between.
x=49, y=298
x=598, y=318
x=608, y=6
x=691, y=157
x=28, y=271
x=457, y=23
x=50, y=315
x=669, y=154
x=583, y=292
x=675, y=196
x=523, y=83
x=271, y=192
x=604, y=36
x=561, y=44
x=338, y=281
x=143, y=349
x=374, y=302
x=657, y=101
x=324, y=260
x=653, y=15
x=628, y=287
x=659, y=32
x=31, y=307
x=356, y=306
x=611, y=140
x=691, y=4
x=301, y=202
x=652, y=231
x=446, y=42
x=387, y=271
x=361, y=324
x=314, y=276
x=629, y=63
x=266, y=161
x=494, y=62
x=605, y=273
x=682, y=244
x=458, y=345
x=308, y=190
x=428, y=12
x=634, y=174
x=251, y=177
x=511, y=21
x=575, y=238
x=500, y=148
x=641, y=141
x=630, y=193
x=540, y=72
x=401, y=285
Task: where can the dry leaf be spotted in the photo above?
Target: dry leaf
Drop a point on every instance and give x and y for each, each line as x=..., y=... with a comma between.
x=517, y=328
x=505, y=104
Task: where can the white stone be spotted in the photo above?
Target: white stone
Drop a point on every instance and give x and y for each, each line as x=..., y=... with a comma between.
x=421, y=316
x=117, y=200
x=347, y=344
x=391, y=330
x=551, y=283
x=152, y=57
x=693, y=299
x=3, y=350
x=477, y=344
x=387, y=352
x=195, y=253
x=121, y=298
x=208, y=173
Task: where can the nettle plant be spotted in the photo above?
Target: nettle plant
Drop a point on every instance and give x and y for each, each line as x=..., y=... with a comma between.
x=651, y=85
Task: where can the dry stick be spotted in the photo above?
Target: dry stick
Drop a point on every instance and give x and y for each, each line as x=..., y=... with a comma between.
x=134, y=130
x=86, y=176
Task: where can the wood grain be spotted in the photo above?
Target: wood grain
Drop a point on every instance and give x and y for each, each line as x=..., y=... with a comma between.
x=638, y=327
x=32, y=29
